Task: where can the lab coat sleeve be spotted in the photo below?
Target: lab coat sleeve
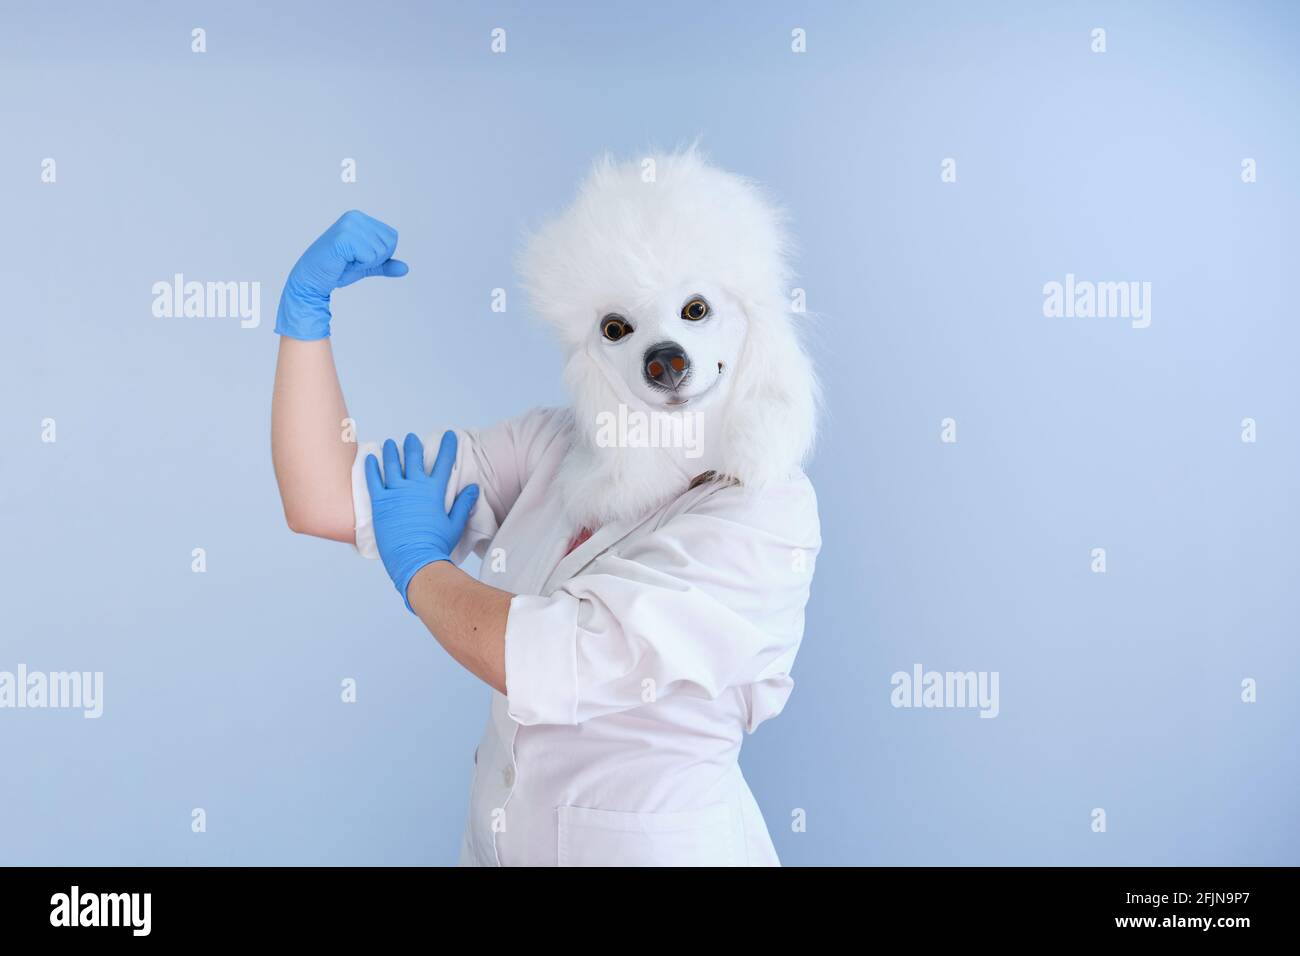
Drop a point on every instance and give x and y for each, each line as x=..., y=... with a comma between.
x=710, y=601
x=498, y=459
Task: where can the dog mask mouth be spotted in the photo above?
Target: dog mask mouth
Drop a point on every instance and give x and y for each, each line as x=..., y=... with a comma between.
x=641, y=392
x=678, y=401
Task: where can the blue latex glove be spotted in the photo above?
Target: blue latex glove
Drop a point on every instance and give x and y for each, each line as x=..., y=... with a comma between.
x=353, y=248
x=411, y=527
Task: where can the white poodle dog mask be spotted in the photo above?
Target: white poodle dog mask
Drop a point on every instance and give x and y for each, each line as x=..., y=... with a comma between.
x=671, y=293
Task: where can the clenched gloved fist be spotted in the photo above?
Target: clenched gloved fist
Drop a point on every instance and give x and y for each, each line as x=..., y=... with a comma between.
x=353, y=248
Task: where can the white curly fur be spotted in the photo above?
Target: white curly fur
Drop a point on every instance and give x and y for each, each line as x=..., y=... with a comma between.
x=625, y=240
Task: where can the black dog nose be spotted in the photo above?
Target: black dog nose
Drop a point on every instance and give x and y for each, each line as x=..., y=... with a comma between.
x=666, y=364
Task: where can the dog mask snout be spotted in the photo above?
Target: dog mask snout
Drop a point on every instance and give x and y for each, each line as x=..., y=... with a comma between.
x=666, y=365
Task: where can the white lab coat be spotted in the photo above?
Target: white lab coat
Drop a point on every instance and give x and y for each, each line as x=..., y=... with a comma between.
x=634, y=664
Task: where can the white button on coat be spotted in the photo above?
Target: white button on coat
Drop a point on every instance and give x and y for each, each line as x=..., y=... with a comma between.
x=634, y=664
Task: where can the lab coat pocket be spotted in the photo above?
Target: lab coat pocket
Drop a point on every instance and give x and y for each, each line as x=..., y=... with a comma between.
x=615, y=838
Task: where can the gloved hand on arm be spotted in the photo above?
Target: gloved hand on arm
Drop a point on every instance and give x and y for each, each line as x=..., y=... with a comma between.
x=412, y=527
x=353, y=248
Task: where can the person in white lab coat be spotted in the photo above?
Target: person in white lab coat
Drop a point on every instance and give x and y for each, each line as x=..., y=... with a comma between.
x=647, y=552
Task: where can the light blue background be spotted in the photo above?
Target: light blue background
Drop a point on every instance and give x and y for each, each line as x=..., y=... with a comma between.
x=1118, y=691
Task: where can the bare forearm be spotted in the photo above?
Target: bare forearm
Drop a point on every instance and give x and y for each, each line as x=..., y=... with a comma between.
x=313, y=462
x=466, y=616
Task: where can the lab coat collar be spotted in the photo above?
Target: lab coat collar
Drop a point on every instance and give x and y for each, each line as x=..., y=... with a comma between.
x=600, y=541
x=613, y=532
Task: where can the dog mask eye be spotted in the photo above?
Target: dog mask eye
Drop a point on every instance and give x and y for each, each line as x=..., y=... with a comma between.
x=615, y=327
x=695, y=309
